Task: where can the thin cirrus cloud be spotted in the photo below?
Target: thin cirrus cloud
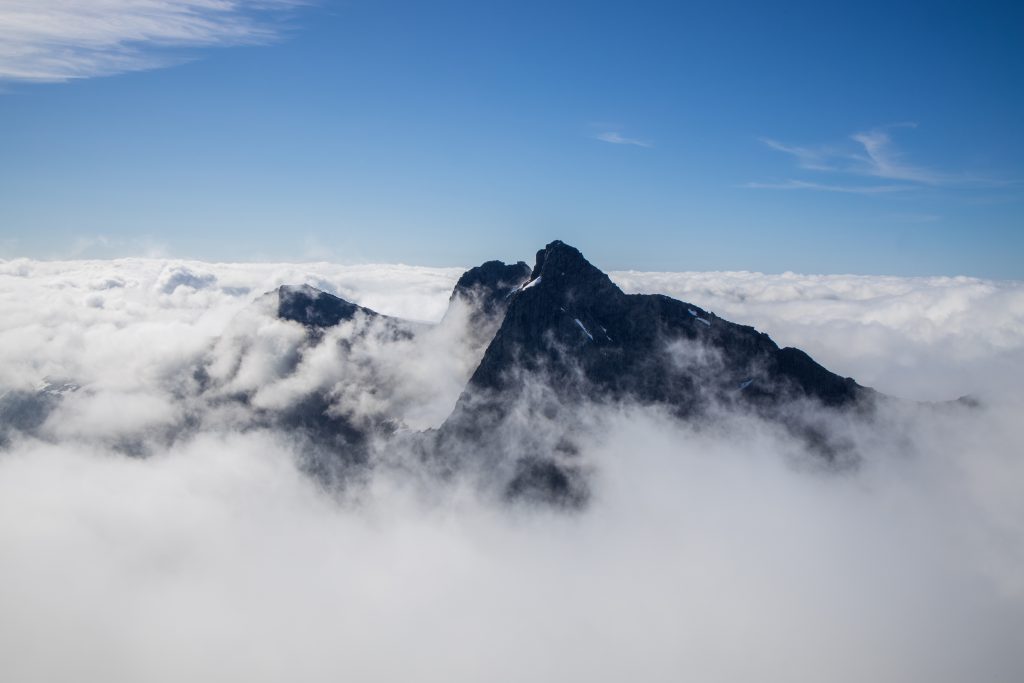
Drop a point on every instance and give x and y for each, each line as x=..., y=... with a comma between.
x=872, y=156
x=61, y=40
x=827, y=187
x=618, y=139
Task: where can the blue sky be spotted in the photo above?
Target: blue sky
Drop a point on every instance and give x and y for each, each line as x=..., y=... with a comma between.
x=814, y=137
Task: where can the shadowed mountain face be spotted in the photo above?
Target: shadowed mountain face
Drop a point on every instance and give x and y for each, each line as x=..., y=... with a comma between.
x=483, y=294
x=489, y=286
x=573, y=323
x=315, y=308
x=571, y=336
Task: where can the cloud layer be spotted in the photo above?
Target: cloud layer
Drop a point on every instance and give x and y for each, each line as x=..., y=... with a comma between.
x=59, y=40
x=717, y=552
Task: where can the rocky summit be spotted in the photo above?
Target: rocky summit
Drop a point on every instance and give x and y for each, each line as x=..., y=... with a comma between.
x=488, y=286
x=571, y=322
x=314, y=308
x=571, y=337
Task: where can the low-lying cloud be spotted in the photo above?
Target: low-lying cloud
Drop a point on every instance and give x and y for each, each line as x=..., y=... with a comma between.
x=712, y=551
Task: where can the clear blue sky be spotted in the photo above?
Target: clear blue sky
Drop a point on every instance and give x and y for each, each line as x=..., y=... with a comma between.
x=817, y=137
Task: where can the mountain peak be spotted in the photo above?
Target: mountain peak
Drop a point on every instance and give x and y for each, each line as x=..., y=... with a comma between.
x=571, y=332
x=315, y=308
x=491, y=283
x=483, y=292
x=564, y=267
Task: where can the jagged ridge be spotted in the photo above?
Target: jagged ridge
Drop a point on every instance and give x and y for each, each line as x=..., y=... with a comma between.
x=571, y=321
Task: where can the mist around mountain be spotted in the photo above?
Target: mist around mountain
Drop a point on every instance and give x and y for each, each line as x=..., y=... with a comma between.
x=267, y=471
x=518, y=418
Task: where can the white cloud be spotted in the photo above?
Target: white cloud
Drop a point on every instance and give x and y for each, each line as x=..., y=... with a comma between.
x=928, y=338
x=815, y=159
x=881, y=160
x=874, y=155
x=180, y=276
x=215, y=558
x=828, y=187
x=617, y=139
x=59, y=40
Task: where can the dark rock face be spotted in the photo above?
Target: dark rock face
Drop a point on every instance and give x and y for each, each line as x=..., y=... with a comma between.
x=484, y=293
x=314, y=308
x=572, y=330
x=489, y=285
x=573, y=323
x=544, y=480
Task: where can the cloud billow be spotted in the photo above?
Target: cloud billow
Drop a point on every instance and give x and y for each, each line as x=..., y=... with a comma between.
x=217, y=558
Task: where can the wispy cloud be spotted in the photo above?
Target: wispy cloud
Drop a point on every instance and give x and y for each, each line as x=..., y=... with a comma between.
x=881, y=160
x=868, y=154
x=814, y=159
x=827, y=187
x=60, y=40
x=914, y=217
x=617, y=139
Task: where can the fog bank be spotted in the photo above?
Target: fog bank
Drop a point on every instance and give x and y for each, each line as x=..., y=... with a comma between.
x=708, y=551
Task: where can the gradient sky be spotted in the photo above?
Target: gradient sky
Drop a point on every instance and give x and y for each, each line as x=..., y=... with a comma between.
x=868, y=138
